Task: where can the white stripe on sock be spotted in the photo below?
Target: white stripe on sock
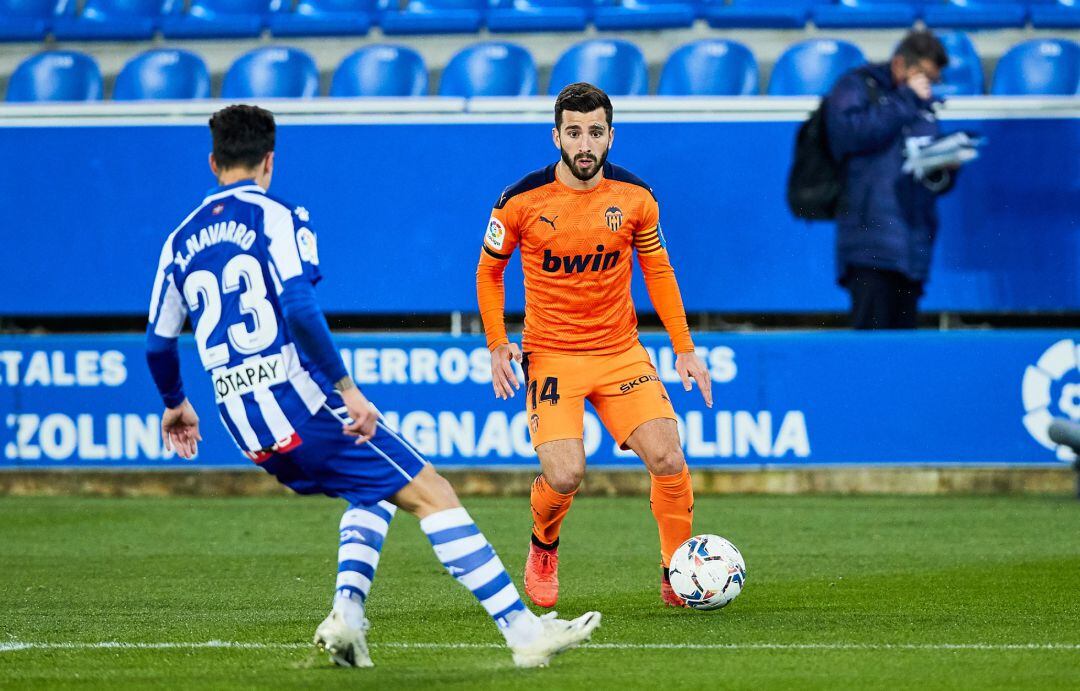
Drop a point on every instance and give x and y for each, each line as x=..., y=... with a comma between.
x=482, y=575
x=354, y=551
x=456, y=549
x=443, y=520
x=356, y=580
x=358, y=552
x=501, y=600
x=364, y=519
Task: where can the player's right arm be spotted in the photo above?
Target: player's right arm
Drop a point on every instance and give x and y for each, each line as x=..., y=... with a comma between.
x=179, y=422
x=294, y=253
x=500, y=238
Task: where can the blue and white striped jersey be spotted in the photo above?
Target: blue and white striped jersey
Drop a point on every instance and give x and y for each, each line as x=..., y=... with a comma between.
x=226, y=265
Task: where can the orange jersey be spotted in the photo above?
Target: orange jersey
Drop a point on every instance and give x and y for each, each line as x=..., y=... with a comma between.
x=576, y=253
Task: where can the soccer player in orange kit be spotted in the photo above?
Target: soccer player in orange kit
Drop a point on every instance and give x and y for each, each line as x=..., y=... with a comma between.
x=576, y=224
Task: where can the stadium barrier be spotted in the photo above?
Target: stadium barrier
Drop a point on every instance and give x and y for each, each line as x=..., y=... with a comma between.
x=783, y=401
x=405, y=186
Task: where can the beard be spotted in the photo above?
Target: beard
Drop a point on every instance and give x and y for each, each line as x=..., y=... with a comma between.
x=571, y=163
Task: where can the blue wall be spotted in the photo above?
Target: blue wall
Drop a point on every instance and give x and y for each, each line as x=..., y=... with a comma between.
x=783, y=399
x=85, y=210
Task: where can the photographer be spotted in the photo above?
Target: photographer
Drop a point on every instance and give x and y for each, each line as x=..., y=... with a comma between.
x=886, y=218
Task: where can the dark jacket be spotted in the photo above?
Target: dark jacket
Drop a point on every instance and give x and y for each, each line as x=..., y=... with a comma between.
x=885, y=219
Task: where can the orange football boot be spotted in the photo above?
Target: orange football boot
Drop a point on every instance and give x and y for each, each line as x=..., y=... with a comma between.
x=542, y=575
x=667, y=593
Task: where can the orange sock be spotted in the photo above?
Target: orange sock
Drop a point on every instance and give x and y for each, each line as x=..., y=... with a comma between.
x=672, y=502
x=549, y=508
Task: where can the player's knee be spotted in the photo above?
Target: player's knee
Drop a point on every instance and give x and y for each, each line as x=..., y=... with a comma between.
x=565, y=480
x=668, y=462
x=428, y=493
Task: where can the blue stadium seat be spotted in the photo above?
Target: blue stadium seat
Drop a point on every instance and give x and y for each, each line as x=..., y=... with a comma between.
x=490, y=69
x=435, y=17
x=163, y=75
x=1060, y=14
x=381, y=70
x=629, y=15
x=325, y=18
x=539, y=15
x=1044, y=67
x=712, y=67
x=220, y=19
x=272, y=73
x=809, y=68
x=114, y=20
x=30, y=20
x=963, y=76
x=976, y=14
x=56, y=75
x=866, y=14
x=616, y=66
x=758, y=14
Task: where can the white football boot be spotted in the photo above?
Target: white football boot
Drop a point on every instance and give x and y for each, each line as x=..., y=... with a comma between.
x=556, y=636
x=347, y=645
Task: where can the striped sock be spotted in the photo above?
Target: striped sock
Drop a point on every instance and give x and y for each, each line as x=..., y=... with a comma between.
x=466, y=554
x=362, y=530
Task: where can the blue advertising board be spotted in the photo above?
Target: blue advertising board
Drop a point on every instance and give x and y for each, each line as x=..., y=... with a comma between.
x=413, y=199
x=798, y=399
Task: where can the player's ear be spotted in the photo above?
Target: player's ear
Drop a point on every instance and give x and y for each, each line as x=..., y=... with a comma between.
x=268, y=163
x=555, y=137
x=213, y=165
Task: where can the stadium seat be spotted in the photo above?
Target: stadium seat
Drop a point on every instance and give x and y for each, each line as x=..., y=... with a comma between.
x=163, y=75
x=616, y=66
x=114, y=20
x=963, y=76
x=1061, y=14
x=865, y=14
x=324, y=18
x=220, y=19
x=976, y=14
x=539, y=15
x=1043, y=67
x=57, y=75
x=630, y=15
x=29, y=20
x=272, y=73
x=757, y=14
x=809, y=68
x=490, y=69
x=711, y=67
x=435, y=17
x=381, y=70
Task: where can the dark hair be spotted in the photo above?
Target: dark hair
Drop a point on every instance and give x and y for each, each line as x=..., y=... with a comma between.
x=922, y=45
x=243, y=135
x=581, y=97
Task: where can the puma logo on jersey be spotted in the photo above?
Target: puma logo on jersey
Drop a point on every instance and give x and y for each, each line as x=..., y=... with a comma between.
x=550, y=222
x=580, y=263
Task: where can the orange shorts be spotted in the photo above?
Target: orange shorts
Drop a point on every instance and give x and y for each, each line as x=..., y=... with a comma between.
x=624, y=388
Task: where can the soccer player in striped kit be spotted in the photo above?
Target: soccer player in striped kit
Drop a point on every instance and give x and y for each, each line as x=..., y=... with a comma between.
x=243, y=266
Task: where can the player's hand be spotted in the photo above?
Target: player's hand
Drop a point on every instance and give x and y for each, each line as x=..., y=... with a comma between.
x=691, y=368
x=503, y=377
x=180, y=430
x=364, y=414
x=920, y=84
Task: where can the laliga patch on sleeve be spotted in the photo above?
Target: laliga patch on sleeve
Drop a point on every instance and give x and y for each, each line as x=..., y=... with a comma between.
x=309, y=249
x=496, y=234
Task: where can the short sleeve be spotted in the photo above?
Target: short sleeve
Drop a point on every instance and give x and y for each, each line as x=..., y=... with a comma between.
x=648, y=237
x=501, y=235
x=167, y=309
x=294, y=248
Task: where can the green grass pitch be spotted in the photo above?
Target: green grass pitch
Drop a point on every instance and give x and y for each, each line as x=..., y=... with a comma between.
x=842, y=592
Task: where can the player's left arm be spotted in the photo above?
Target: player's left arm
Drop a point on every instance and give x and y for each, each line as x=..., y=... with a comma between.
x=667, y=300
x=179, y=422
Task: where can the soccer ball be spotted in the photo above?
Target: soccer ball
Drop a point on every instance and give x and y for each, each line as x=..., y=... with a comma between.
x=707, y=571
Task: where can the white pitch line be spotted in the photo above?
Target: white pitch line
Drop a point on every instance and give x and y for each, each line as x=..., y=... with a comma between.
x=15, y=646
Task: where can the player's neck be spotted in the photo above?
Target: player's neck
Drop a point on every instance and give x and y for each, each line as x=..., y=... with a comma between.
x=233, y=176
x=563, y=174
